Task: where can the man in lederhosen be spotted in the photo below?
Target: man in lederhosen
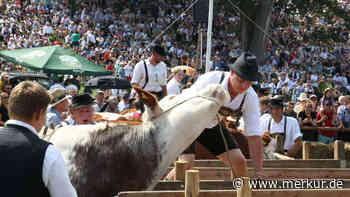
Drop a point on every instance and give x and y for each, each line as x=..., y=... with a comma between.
x=245, y=102
x=285, y=126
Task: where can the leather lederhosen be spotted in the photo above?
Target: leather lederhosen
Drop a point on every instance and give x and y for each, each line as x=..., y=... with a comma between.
x=281, y=137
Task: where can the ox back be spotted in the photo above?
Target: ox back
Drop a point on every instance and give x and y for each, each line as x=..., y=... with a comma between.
x=117, y=149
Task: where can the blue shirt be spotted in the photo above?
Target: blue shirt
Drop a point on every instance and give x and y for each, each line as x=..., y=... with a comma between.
x=54, y=117
x=344, y=115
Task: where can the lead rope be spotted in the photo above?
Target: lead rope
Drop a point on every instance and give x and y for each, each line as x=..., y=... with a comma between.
x=226, y=148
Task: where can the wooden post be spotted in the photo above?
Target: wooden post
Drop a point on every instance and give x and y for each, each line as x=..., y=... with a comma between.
x=180, y=169
x=192, y=183
x=339, y=153
x=244, y=190
x=306, y=150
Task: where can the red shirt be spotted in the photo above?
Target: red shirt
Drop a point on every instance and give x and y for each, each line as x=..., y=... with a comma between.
x=326, y=123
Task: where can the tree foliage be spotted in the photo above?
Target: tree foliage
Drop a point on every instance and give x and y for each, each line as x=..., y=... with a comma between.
x=317, y=16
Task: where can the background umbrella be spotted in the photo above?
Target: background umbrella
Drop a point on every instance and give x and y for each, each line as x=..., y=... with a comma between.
x=53, y=59
x=108, y=82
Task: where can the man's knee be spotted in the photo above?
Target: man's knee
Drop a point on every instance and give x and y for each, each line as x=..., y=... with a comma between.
x=189, y=158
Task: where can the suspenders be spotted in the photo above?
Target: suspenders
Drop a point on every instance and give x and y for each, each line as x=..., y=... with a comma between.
x=284, y=131
x=238, y=112
x=146, y=79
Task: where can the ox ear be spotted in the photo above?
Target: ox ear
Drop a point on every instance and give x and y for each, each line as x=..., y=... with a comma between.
x=147, y=98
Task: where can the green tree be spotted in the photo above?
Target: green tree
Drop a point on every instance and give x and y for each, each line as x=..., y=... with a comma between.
x=256, y=18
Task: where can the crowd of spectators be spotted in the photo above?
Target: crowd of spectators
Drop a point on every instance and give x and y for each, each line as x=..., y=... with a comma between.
x=116, y=34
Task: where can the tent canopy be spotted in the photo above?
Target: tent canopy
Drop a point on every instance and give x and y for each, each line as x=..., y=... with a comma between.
x=53, y=59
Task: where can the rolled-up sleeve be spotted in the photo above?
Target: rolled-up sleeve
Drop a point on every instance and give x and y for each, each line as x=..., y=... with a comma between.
x=251, y=115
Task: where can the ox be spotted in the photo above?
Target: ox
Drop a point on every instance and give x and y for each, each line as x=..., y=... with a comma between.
x=105, y=159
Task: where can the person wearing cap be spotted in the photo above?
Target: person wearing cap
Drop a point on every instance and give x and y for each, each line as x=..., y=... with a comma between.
x=29, y=165
x=151, y=74
x=279, y=124
x=174, y=85
x=58, y=106
x=244, y=100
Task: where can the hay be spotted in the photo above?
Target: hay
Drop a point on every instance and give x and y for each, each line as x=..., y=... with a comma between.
x=324, y=151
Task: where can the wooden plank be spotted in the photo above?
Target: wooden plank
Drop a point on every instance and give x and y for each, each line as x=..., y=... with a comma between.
x=225, y=185
x=244, y=190
x=180, y=170
x=221, y=173
x=332, y=129
x=339, y=151
x=279, y=156
x=231, y=193
x=306, y=150
x=312, y=163
x=192, y=183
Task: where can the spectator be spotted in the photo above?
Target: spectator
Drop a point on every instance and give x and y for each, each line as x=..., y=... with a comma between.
x=289, y=110
x=343, y=115
x=4, y=115
x=124, y=104
x=30, y=166
x=307, y=118
x=264, y=106
x=174, y=85
x=324, y=119
x=100, y=101
x=285, y=126
x=57, y=109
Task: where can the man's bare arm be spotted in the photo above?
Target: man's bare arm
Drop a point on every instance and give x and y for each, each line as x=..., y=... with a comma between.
x=256, y=151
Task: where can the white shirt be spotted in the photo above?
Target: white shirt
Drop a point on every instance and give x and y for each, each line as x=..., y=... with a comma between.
x=250, y=108
x=157, y=76
x=292, y=129
x=55, y=174
x=173, y=87
x=56, y=86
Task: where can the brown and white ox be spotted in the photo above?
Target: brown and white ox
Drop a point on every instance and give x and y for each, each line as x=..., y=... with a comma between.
x=105, y=159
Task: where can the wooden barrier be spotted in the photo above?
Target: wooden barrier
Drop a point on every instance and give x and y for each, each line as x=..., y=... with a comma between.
x=339, y=151
x=192, y=183
x=306, y=150
x=332, y=129
x=180, y=170
x=279, y=156
x=223, y=173
x=232, y=193
x=297, y=163
x=244, y=190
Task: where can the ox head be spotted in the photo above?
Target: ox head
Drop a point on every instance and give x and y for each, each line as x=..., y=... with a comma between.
x=208, y=101
x=181, y=118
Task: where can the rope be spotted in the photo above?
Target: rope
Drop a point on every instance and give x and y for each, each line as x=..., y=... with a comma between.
x=226, y=146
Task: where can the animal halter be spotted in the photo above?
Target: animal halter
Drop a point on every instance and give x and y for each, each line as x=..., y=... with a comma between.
x=185, y=100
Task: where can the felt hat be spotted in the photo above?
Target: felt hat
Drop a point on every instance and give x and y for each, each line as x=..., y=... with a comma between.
x=276, y=101
x=246, y=67
x=81, y=100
